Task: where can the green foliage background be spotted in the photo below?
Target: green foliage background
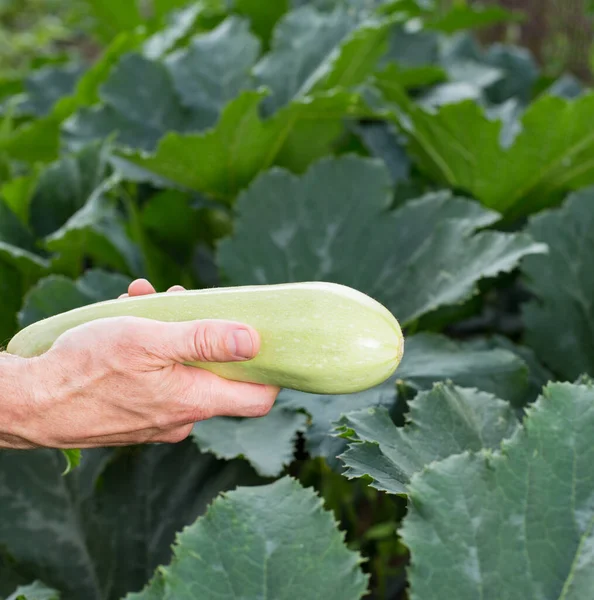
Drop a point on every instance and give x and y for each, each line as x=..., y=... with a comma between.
x=388, y=145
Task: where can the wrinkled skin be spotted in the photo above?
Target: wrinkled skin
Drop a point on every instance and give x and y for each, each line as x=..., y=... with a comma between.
x=121, y=381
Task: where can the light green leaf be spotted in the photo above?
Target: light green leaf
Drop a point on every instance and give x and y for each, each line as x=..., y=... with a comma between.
x=263, y=14
x=35, y=591
x=113, y=16
x=444, y=421
x=430, y=358
x=515, y=523
x=251, y=538
x=17, y=194
x=267, y=443
x=56, y=294
x=215, y=68
x=423, y=256
x=241, y=144
x=560, y=319
x=79, y=534
x=462, y=17
x=459, y=146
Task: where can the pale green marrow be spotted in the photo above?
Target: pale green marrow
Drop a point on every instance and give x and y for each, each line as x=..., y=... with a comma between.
x=316, y=337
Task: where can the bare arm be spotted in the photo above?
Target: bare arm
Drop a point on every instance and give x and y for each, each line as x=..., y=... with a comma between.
x=121, y=381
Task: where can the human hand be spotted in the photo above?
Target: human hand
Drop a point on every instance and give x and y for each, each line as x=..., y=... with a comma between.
x=121, y=381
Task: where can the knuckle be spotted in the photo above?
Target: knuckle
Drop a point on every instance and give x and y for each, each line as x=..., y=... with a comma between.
x=206, y=343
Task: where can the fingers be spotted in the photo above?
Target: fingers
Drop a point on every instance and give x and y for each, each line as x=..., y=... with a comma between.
x=142, y=287
x=197, y=341
x=206, y=395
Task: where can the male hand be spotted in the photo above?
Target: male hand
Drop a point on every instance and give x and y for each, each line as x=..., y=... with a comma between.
x=121, y=381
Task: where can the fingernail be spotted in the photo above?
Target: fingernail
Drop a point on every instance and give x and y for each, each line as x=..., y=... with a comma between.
x=241, y=344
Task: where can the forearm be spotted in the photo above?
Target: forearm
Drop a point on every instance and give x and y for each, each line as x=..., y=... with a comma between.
x=15, y=395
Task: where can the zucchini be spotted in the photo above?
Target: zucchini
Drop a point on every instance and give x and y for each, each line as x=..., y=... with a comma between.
x=316, y=337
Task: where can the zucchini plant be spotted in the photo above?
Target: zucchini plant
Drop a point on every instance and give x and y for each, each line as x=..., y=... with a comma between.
x=404, y=215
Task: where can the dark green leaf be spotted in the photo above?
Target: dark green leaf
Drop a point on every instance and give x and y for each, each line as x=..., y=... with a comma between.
x=512, y=524
x=64, y=188
x=39, y=139
x=302, y=44
x=560, y=320
x=17, y=245
x=140, y=105
x=11, y=291
x=415, y=259
x=432, y=358
x=215, y=68
x=100, y=532
x=98, y=230
x=444, y=421
x=268, y=443
x=48, y=85
x=382, y=142
x=325, y=410
x=56, y=294
x=250, y=539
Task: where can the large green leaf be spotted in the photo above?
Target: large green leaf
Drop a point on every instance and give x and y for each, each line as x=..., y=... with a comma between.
x=18, y=246
x=215, y=68
x=11, y=290
x=459, y=145
x=302, y=42
x=268, y=443
x=241, y=145
x=560, y=320
x=139, y=105
x=516, y=523
x=44, y=87
x=39, y=140
x=263, y=14
x=113, y=16
x=64, y=187
x=420, y=257
x=325, y=410
x=55, y=294
x=98, y=231
x=251, y=543
x=34, y=591
x=101, y=531
x=429, y=358
x=444, y=421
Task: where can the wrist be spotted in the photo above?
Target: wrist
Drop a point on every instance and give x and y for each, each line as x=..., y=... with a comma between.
x=17, y=385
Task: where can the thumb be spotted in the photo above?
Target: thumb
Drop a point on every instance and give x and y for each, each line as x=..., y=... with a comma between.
x=208, y=340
